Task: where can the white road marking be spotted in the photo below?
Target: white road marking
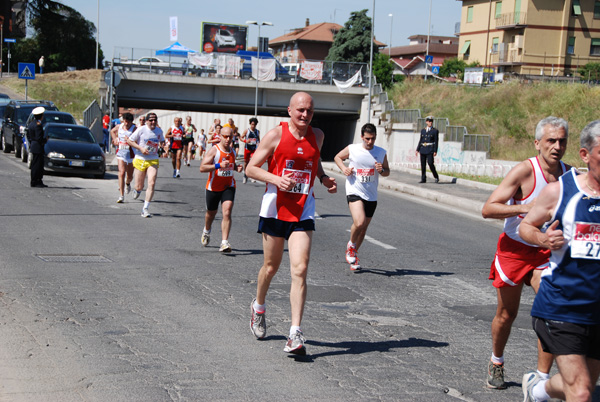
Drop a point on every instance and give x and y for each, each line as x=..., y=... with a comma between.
x=378, y=243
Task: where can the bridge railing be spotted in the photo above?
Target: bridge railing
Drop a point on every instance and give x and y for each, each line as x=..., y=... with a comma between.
x=323, y=72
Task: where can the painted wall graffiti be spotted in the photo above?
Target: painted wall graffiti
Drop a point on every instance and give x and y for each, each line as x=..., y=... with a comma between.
x=449, y=153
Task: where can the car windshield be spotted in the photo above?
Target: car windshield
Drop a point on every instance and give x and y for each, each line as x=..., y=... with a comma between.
x=23, y=113
x=58, y=118
x=80, y=134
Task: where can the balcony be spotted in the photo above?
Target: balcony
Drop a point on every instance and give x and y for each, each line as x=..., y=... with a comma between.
x=510, y=57
x=512, y=20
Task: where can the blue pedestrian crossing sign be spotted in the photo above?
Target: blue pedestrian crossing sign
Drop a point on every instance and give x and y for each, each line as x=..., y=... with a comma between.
x=27, y=71
x=435, y=69
x=429, y=59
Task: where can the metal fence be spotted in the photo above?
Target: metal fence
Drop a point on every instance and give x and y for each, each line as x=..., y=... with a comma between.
x=145, y=60
x=405, y=115
x=91, y=113
x=438, y=122
x=477, y=142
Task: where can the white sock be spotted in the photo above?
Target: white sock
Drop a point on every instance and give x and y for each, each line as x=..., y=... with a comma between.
x=350, y=244
x=259, y=308
x=146, y=204
x=543, y=376
x=539, y=391
x=497, y=360
x=206, y=231
x=293, y=330
x=223, y=241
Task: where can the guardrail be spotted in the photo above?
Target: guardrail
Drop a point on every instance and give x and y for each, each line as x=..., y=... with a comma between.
x=91, y=113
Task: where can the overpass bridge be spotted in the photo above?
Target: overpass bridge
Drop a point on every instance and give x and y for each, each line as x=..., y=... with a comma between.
x=335, y=113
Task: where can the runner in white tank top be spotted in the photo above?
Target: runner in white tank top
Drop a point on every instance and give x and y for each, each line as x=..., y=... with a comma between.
x=367, y=162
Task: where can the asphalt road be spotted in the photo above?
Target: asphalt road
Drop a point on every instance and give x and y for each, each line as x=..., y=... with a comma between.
x=98, y=303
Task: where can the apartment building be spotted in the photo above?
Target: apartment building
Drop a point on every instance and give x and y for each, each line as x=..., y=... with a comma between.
x=534, y=37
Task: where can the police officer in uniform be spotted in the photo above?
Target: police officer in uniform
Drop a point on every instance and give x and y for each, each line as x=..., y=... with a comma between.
x=428, y=146
x=35, y=135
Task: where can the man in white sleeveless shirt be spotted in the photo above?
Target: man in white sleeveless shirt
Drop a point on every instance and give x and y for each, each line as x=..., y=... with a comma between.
x=366, y=162
x=517, y=262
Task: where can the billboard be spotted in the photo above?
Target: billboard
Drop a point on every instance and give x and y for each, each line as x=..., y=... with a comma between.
x=223, y=38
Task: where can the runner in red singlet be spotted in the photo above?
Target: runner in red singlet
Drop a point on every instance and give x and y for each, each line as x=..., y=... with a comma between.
x=175, y=134
x=288, y=209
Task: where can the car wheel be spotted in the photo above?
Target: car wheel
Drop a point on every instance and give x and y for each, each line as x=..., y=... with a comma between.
x=5, y=146
x=17, y=150
x=29, y=160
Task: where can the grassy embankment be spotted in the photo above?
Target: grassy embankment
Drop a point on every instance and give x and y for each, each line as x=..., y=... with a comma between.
x=71, y=91
x=508, y=112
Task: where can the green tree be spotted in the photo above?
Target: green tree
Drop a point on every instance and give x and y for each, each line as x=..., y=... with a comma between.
x=61, y=34
x=383, y=70
x=455, y=67
x=591, y=71
x=353, y=42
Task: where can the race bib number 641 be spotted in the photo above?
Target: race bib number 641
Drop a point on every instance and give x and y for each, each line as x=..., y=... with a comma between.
x=586, y=241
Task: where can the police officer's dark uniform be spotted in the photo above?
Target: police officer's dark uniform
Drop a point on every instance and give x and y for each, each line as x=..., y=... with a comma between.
x=428, y=146
x=35, y=135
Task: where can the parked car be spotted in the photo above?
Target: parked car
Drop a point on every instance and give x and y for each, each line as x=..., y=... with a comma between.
x=224, y=38
x=144, y=64
x=4, y=96
x=51, y=116
x=72, y=149
x=3, y=103
x=282, y=73
x=13, y=126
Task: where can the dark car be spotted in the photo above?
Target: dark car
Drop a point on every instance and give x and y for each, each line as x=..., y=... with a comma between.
x=73, y=149
x=13, y=126
x=51, y=116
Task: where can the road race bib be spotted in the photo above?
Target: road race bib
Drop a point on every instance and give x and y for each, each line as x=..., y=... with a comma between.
x=225, y=171
x=302, y=179
x=365, y=175
x=586, y=241
x=177, y=137
x=123, y=144
x=251, y=141
x=152, y=146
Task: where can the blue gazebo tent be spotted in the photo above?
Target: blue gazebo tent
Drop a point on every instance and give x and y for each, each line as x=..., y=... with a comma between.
x=176, y=49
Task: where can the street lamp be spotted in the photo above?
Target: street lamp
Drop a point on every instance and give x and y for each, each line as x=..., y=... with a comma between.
x=428, y=37
x=371, y=62
x=257, y=61
x=391, y=25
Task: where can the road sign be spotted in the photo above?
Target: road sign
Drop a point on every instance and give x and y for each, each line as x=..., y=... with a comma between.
x=435, y=69
x=116, y=78
x=27, y=71
x=429, y=59
x=9, y=40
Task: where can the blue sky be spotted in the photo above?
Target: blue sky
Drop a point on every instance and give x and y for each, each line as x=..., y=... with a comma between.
x=146, y=24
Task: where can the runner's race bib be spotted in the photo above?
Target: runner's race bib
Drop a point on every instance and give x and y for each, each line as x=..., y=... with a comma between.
x=586, y=241
x=302, y=179
x=123, y=144
x=365, y=175
x=152, y=146
x=225, y=171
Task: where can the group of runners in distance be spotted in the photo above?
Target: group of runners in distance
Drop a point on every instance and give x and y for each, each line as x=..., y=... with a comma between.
x=551, y=237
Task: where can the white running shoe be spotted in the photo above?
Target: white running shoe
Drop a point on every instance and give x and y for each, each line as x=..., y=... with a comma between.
x=177, y=174
x=225, y=247
x=205, y=239
x=121, y=199
x=136, y=194
x=145, y=213
x=245, y=180
x=356, y=266
x=295, y=344
x=127, y=188
x=350, y=254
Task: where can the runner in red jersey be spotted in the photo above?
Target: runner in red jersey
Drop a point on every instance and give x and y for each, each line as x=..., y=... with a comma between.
x=175, y=134
x=219, y=162
x=288, y=209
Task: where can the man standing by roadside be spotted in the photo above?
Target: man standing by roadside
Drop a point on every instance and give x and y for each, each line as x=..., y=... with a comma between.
x=518, y=262
x=219, y=163
x=146, y=139
x=566, y=310
x=428, y=146
x=288, y=209
x=35, y=135
x=366, y=162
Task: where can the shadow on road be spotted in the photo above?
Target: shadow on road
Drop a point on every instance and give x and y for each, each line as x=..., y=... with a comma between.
x=401, y=272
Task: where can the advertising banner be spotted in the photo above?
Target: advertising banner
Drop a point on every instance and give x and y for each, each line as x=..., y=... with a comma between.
x=223, y=38
x=312, y=70
x=173, y=28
